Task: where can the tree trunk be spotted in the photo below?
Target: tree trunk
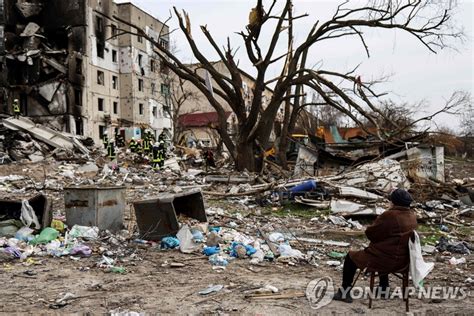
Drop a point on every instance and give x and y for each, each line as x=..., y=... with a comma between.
x=246, y=157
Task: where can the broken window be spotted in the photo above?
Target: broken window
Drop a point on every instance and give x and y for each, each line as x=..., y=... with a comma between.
x=114, y=55
x=78, y=97
x=163, y=68
x=114, y=30
x=165, y=89
x=140, y=60
x=101, y=131
x=99, y=26
x=155, y=112
x=140, y=108
x=115, y=82
x=100, y=104
x=100, y=49
x=166, y=111
x=140, y=39
x=163, y=44
x=100, y=77
x=152, y=65
x=79, y=127
x=140, y=84
x=79, y=66
x=115, y=105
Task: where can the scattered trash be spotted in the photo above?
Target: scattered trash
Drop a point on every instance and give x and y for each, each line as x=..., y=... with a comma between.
x=63, y=301
x=453, y=247
x=48, y=234
x=337, y=255
x=209, y=251
x=169, y=243
x=119, y=270
x=453, y=261
x=218, y=260
x=81, y=250
x=84, y=232
x=211, y=289
x=187, y=240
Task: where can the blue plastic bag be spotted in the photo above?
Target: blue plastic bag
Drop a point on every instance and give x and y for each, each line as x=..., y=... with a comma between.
x=215, y=229
x=209, y=251
x=169, y=243
x=249, y=249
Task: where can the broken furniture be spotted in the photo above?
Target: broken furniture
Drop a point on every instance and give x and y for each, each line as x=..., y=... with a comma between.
x=158, y=218
x=95, y=206
x=39, y=203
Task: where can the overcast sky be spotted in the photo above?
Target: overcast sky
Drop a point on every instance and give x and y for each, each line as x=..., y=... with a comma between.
x=416, y=73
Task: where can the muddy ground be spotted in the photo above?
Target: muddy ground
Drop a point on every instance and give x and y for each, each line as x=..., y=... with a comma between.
x=152, y=285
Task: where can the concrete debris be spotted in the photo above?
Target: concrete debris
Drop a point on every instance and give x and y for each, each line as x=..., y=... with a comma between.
x=346, y=208
x=120, y=216
x=23, y=139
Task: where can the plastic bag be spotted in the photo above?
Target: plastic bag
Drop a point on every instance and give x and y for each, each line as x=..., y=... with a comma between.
x=9, y=227
x=84, y=232
x=58, y=225
x=28, y=215
x=287, y=251
x=209, y=251
x=81, y=250
x=48, y=234
x=419, y=269
x=24, y=234
x=187, y=243
x=217, y=260
x=169, y=243
x=276, y=237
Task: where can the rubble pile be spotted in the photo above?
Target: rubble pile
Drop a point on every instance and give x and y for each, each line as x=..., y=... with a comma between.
x=216, y=217
x=22, y=140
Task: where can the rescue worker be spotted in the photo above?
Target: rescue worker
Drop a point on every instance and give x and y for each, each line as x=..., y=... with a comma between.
x=133, y=145
x=162, y=153
x=147, y=144
x=105, y=139
x=139, y=147
x=111, y=150
x=155, y=158
x=16, y=108
x=162, y=137
x=119, y=140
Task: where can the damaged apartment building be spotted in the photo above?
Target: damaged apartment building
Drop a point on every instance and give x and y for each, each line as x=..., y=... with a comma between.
x=74, y=67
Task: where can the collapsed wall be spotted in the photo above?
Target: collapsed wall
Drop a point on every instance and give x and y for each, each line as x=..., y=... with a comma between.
x=41, y=48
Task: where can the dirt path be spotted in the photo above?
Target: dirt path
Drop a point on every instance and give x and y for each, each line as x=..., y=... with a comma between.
x=151, y=287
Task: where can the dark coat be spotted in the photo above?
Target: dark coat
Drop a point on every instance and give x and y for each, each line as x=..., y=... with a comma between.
x=388, y=235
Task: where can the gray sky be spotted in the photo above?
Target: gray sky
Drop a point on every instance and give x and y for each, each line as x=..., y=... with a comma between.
x=416, y=73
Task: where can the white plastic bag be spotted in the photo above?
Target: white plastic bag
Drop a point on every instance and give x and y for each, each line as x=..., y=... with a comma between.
x=84, y=232
x=186, y=241
x=419, y=269
x=287, y=251
x=28, y=215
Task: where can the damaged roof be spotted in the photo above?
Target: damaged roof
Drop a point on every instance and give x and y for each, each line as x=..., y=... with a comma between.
x=334, y=135
x=200, y=119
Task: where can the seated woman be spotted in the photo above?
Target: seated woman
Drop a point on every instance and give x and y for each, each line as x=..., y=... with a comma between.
x=388, y=248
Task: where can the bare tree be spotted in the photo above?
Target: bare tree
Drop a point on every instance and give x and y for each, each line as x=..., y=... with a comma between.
x=425, y=20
